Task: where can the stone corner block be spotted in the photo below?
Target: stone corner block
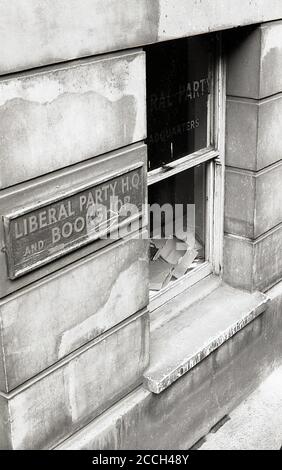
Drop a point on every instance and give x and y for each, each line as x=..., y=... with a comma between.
x=255, y=61
x=253, y=265
x=253, y=201
x=253, y=132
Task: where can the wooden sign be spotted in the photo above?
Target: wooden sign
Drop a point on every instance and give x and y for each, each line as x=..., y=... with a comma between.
x=38, y=235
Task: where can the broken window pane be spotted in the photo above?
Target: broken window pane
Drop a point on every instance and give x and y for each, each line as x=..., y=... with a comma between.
x=177, y=225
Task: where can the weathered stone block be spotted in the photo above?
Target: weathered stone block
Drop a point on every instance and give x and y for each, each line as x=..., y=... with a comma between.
x=67, y=397
x=43, y=191
x=59, y=116
x=253, y=132
x=186, y=411
x=47, y=321
x=76, y=29
x=273, y=325
x=253, y=265
x=271, y=60
x=255, y=61
x=253, y=201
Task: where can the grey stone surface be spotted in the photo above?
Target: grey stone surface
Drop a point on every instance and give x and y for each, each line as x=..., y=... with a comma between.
x=39, y=34
x=47, y=188
x=68, y=396
x=255, y=61
x=268, y=259
x=58, y=116
x=238, y=262
x=5, y=426
x=243, y=47
x=256, y=424
x=271, y=61
x=253, y=201
x=273, y=325
x=186, y=411
x=253, y=132
x=198, y=330
x=45, y=322
x=253, y=265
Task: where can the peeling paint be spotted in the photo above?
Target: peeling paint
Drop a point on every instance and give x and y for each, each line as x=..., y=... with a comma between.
x=83, y=111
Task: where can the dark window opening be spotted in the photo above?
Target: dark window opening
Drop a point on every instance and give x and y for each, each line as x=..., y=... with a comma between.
x=178, y=88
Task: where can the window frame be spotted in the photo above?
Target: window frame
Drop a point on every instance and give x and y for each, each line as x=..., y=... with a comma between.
x=214, y=157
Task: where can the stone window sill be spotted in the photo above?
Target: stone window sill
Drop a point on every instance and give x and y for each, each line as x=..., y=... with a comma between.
x=190, y=327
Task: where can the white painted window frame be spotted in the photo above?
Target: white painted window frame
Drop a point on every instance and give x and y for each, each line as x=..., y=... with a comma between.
x=215, y=158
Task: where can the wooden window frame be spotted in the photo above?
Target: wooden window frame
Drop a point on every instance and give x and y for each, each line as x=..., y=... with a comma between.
x=214, y=157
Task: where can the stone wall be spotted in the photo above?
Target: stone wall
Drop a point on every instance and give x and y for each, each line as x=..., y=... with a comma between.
x=74, y=332
x=253, y=197
x=36, y=33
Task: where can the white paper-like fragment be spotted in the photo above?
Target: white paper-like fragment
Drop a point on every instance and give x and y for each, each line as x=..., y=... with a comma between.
x=173, y=250
x=184, y=263
x=160, y=274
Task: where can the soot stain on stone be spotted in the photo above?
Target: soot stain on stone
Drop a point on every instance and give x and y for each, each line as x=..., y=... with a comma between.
x=270, y=62
x=149, y=27
x=23, y=120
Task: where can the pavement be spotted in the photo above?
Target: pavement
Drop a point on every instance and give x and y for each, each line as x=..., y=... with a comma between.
x=256, y=424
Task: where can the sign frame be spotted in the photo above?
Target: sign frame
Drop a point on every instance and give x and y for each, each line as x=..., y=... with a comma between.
x=14, y=272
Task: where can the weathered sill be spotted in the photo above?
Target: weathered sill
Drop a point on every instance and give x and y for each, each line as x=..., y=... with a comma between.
x=184, y=334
